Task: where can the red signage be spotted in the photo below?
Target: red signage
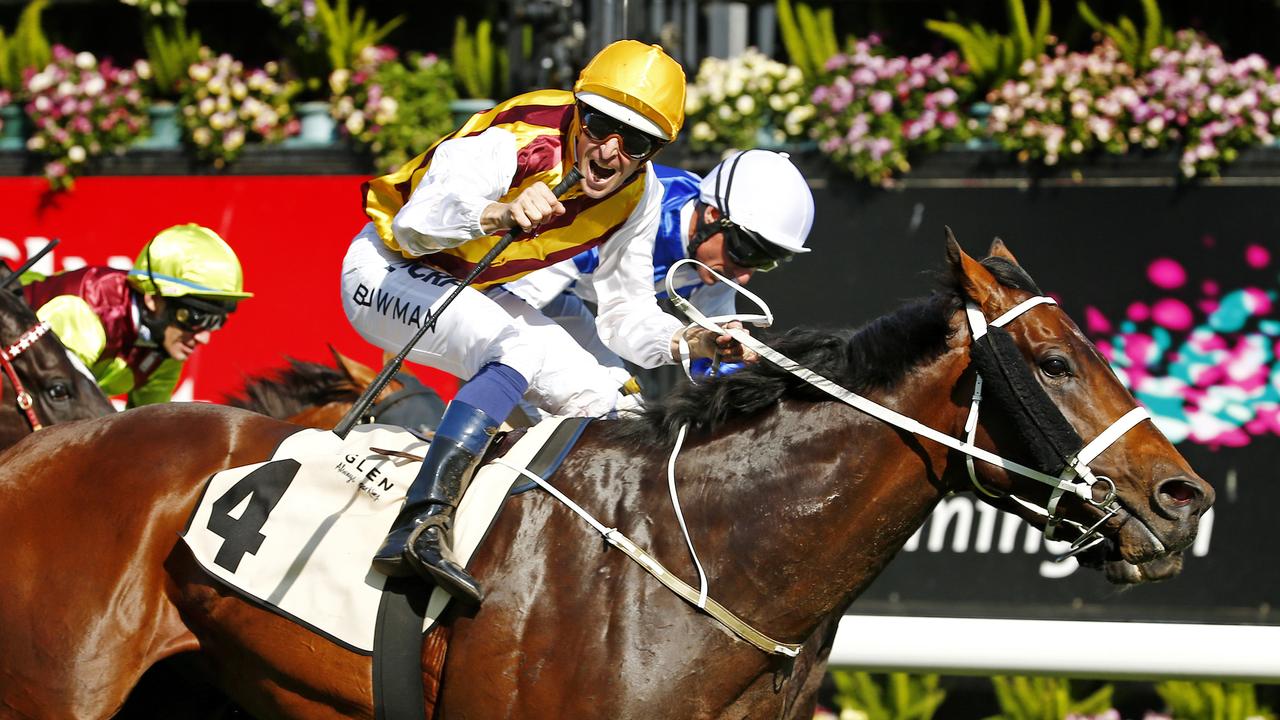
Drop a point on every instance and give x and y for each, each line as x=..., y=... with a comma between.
x=290, y=232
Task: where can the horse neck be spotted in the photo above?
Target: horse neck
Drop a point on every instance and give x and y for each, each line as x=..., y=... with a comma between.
x=828, y=496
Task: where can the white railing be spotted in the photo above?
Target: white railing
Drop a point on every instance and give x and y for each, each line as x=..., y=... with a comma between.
x=1069, y=648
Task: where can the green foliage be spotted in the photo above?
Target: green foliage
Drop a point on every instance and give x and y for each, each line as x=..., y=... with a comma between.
x=808, y=35
x=26, y=48
x=346, y=33
x=1212, y=700
x=1045, y=698
x=170, y=51
x=992, y=57
x=477, y=63
x=898, y=696
x=1135, y=46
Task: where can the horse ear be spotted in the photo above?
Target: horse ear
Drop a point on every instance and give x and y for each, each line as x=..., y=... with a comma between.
x=975, y=280
x=999, y=249
x=387, y=355
x=359, y=373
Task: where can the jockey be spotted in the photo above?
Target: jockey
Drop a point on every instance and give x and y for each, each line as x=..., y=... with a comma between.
x=751, y=212
x=436, y=216
x=135, y=328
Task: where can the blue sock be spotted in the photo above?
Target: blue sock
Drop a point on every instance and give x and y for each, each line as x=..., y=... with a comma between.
x=495, y=390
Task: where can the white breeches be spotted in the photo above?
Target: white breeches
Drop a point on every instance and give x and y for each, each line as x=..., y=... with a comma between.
x=387, y=296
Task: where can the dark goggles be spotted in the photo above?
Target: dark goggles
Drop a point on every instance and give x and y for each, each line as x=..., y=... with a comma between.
x=636, y=144
x=748, y=250
x=195, y=316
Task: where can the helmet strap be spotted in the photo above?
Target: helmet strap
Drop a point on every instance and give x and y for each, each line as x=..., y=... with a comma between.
x=155, y=321
x=703, y=229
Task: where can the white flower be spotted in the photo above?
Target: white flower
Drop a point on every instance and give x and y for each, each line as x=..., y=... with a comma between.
x=35, y=142
x=202, y=136
x=40, y=82
x=94, y=85
x=200, y=72
x=355, y=122
x=745, y=104
x=76, y=154
x=85, y=60
x=338, y=80
x=702, y=131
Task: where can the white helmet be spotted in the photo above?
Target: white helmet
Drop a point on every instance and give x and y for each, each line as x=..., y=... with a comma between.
x=764, y=192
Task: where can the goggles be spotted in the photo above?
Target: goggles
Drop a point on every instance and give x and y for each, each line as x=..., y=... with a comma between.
x=636, y=144
x=195, y=317
x=749, y=250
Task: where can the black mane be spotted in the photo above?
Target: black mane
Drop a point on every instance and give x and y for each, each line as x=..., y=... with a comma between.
x=287, y=392
x=877, y=356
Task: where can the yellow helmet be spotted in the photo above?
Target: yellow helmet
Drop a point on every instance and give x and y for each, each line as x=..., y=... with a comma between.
x=637, y=84
x=188, y=260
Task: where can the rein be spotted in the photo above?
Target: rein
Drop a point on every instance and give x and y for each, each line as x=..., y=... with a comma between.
x=25, y=402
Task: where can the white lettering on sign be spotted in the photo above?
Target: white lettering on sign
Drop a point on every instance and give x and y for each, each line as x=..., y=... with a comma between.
x=15, y=253
x=973, y=524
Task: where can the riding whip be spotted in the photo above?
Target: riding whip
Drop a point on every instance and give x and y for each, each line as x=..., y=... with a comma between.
x=392, y=366
x=31, y=261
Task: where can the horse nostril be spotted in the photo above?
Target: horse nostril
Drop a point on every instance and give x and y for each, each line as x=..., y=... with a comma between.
x=1178, y=493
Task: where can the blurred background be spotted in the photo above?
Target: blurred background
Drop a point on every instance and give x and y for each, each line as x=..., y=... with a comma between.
x=1126, y=150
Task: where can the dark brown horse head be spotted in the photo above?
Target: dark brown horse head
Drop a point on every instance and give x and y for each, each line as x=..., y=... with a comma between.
x=60, y=388
x=1059, y=395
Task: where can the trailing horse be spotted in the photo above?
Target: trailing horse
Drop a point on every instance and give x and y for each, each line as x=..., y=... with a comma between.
x=42, y=384
x=794, y=502
x=318, y=396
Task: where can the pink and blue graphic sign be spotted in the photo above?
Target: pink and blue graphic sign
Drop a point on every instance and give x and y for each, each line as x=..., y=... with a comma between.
x=1200, y=356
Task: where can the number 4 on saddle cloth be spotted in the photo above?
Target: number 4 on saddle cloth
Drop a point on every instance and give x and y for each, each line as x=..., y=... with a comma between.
x=296, y=533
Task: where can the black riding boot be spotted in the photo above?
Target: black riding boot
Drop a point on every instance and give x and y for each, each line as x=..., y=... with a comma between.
x=420, y=538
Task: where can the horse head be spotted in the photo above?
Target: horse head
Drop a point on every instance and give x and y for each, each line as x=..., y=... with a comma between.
x=1126, y=498
x=43, y=383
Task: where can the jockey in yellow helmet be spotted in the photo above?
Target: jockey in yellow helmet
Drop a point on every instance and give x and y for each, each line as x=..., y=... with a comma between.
x=135, y=328
x=433, y=219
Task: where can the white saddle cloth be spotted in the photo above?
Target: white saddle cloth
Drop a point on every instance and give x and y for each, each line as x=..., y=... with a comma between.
x=297, y=532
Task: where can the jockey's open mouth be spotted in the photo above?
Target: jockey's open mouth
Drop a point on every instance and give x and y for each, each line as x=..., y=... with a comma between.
x=600, y=173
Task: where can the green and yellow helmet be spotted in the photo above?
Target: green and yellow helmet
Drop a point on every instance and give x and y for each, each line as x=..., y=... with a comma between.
x=189, y=260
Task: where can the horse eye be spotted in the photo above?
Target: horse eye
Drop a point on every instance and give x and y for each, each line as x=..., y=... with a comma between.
x=1054, y=366
x=59, y=391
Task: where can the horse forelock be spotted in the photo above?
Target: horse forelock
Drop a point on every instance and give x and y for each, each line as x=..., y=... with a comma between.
x=16, y=317
x=287, y=392
x=1011, y=275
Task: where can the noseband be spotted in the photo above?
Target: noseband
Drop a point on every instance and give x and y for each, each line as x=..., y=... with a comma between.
x=25, y=402
x=1061, y=455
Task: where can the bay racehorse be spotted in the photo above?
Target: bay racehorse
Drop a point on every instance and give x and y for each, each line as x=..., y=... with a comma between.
x=794, y=501
x=318, y=396
x=42, y=384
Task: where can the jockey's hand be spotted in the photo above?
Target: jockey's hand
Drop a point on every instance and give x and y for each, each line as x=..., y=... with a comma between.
x=704, y=343
x=536, y=205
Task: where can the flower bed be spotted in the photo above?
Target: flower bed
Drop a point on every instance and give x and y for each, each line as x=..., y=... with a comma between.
x=80, y=108
x=874, y=110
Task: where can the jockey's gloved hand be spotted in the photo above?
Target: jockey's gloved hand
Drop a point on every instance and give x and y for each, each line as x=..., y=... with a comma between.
x=701, y=368
x=704, y=343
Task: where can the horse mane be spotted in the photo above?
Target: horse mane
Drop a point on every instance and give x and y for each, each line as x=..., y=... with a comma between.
x=283, y=393
x=876, y=356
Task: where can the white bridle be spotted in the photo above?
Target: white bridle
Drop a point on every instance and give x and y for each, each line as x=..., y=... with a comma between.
x=1076, y=478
